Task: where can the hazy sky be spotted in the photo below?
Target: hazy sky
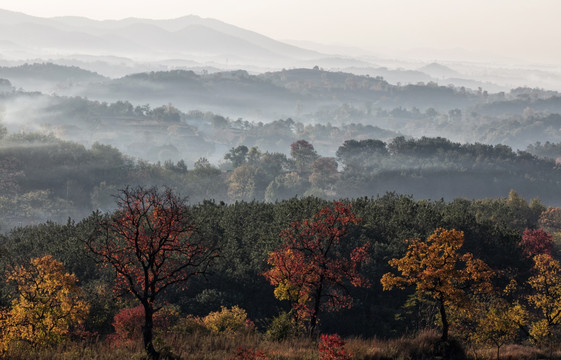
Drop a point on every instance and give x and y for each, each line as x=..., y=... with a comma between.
x=519, y=29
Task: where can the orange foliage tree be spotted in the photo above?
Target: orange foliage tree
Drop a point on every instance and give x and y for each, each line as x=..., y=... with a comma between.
x=311, y=269
x=47, y=307
x=151, y=244
x=438, y=271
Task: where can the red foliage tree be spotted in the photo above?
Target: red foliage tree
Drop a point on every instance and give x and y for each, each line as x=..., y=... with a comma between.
x=312, y=268
x=536, y=242
x=151, y=244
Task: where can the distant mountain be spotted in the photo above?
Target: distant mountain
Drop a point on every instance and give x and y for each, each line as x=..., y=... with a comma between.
x=178, y=24
x=439, y=71
x=189, y=36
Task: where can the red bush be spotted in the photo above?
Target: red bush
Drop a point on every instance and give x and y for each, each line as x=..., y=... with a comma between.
x=128, y=323
x=332, y=347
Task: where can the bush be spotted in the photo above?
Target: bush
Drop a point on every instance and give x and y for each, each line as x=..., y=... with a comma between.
x=190, y=325
x=282, y=327
x=332, y=347
x=128, y=323
x=228, y=320
x=242, y=353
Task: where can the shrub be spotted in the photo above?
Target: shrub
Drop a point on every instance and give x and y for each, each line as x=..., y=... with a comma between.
x=332, y=347
x=128, y=323
x=190, y=325
x=242, y=353
x=231, y=320
x=282, y=327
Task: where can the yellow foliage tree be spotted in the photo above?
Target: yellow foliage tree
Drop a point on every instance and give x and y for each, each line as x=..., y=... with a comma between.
x=438, y=271
x=496, y=322
x=48, y=305
x=546, y=298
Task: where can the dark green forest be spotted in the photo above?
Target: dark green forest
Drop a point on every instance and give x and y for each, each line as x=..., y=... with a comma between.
x=245, y=232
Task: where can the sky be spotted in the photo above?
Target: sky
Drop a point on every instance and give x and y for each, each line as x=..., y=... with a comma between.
x=528, y=30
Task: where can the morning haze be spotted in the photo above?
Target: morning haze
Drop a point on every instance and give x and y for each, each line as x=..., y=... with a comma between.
x=502, y=29
x=189, y=88
x=265, y=179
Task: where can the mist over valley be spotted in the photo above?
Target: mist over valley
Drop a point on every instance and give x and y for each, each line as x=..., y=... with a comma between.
x=195, y=92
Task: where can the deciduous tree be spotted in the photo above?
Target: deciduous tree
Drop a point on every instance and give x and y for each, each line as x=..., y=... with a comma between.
x=324, y=173
x=546, y=298
x=237, y=156
x=550, y=219
x=440, y=272
x=304, y=156
x=241, y=183
x=495, y=321
x=535, y=242
x=312, y=269
x=151, y=243
x=48, y=305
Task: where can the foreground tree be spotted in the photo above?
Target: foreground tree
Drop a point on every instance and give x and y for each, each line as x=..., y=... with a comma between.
x=48, y=305
x=494, y=320
x=151, y=243
x=545, y=299
x=312, y=268
x=439, y=272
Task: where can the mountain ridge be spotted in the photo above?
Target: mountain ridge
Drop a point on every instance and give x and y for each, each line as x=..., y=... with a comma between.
x=73, y=32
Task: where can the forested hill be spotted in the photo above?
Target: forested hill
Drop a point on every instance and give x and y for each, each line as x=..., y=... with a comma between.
x=289, y=92
x=166, y=132
x=45, y=178
x=277, y=93
x=49, y=72
x=48, y=77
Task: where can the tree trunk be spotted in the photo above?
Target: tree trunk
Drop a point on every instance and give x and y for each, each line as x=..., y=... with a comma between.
x=317, y=302
x=148, y=332
x=444, y=319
